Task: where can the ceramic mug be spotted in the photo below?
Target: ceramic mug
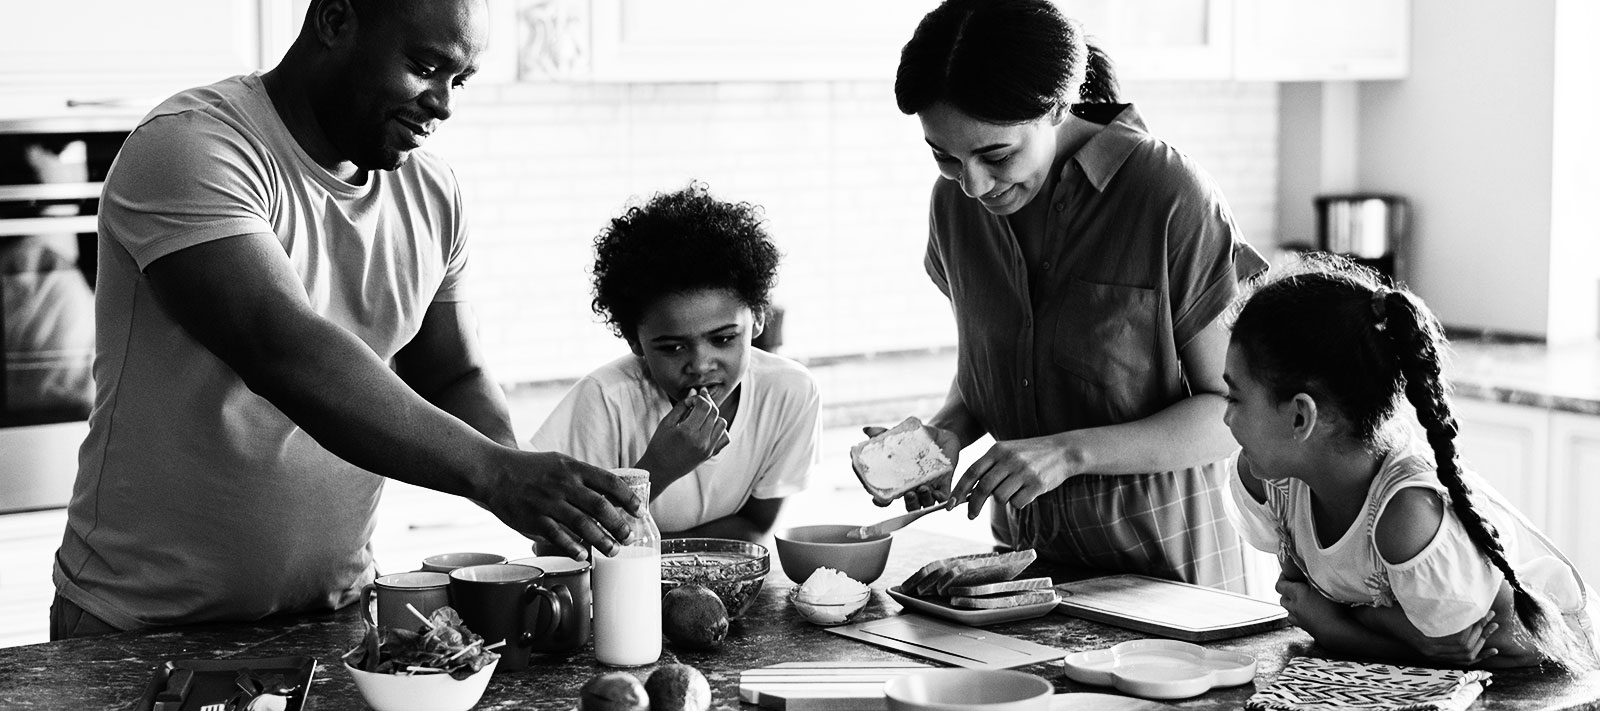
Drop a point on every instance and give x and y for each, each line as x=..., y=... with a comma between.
x=573, y=629
x=390, y=594
x=446, y=562
x=502, y=602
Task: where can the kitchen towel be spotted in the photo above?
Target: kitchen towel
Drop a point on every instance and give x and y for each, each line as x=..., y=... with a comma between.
x=1312, y=684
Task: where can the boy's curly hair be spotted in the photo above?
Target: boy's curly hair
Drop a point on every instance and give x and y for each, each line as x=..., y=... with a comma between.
x=676, y=242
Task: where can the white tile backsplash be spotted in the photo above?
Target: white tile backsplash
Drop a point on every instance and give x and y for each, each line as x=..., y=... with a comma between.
x=842, y=175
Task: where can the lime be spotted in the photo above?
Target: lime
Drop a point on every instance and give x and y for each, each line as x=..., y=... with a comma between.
x=613, y=691
x=693, y=617
x=678, y=687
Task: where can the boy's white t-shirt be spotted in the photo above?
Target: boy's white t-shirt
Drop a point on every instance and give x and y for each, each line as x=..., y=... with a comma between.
x=609, y=416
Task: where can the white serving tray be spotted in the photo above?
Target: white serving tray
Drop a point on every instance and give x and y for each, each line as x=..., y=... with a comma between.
x=1160, y=668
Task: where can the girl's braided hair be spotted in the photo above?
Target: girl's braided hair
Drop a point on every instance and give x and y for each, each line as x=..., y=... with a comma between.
x=1340, y=333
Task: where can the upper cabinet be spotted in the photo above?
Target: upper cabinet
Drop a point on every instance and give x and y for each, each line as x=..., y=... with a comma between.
x=1312, y=40
x=1160, y=39
x=780, y=40
x=90, y=58
x=716, y=40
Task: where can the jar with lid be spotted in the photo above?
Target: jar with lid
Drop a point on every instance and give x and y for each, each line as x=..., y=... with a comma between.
x=627, y=589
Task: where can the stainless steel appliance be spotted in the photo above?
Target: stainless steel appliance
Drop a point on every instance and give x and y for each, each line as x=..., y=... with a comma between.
x=1369, y=228
x=49, y=192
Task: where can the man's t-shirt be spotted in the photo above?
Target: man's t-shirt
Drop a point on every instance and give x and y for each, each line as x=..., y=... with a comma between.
x=196, y=499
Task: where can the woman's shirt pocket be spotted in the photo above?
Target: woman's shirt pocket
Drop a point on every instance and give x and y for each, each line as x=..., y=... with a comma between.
x=1105, y=335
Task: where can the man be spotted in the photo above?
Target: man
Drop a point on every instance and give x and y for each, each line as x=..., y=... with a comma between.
x=279, y=322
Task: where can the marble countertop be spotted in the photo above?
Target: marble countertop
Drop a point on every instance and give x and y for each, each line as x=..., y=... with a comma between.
x=112, y=672
x=1557, y=377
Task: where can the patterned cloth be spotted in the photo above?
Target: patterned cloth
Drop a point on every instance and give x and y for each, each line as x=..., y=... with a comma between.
x=1312, y=684
x=1170, y=525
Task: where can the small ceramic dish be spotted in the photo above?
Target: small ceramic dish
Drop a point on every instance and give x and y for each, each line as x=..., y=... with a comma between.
x=828, y=613
x=1160, y=668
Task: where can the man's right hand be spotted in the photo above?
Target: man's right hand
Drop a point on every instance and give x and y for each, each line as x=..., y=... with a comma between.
x=571, y=504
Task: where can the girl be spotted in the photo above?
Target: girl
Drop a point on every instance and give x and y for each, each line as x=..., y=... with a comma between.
x=1388, y=550
x=1088, y=264
x=726, y=431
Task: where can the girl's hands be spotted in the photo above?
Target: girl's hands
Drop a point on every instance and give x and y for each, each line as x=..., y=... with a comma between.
x=1015, y=473
x=691, y=432
x=1308, y=609
x=1466, y=648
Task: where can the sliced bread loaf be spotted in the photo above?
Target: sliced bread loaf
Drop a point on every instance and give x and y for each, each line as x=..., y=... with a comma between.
x=938, y=577
x=1008, y=599
x=1017, y=585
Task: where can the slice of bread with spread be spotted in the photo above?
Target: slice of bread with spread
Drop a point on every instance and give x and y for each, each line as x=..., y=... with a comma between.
x=900, y=459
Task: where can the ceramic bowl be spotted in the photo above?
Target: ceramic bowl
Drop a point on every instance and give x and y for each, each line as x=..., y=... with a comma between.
x=803, y=549
x=1160, y=668
x=981, y=689
x=421, y=692
x=828, y=612
x=735, y=570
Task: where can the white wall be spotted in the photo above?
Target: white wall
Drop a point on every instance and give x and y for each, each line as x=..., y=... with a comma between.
x=1574, y=229
x=1468, y=136
x=844, y=178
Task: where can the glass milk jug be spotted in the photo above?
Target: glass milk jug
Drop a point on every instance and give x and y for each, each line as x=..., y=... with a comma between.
x=627, y=589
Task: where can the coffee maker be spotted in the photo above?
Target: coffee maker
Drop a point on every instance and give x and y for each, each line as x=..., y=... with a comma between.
x=1370, y=229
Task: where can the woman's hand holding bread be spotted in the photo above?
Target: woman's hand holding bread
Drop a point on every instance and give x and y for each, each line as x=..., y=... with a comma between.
x=912, y=460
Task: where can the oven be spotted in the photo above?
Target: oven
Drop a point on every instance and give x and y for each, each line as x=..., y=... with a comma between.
x=50, y=180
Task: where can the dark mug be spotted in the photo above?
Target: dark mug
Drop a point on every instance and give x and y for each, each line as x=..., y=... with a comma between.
x=391, y=594
x=501, y=602
x=571, y=577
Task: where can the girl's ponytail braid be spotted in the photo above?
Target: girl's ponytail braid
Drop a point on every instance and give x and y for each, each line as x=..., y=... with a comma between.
x=1417, y=338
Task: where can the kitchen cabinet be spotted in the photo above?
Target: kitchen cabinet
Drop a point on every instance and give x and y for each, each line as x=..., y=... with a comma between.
x=734, y=40
x=1160, y=39
x=1575, y=481
x=1508, y=445
x=1316, y=40
x=93, y=57
x=1547, y=463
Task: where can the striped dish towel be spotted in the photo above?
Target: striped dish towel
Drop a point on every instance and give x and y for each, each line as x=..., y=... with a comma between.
x=1312, y=684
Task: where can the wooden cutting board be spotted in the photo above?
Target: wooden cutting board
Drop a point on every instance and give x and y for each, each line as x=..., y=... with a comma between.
x=1171, y=609
x=822, y=686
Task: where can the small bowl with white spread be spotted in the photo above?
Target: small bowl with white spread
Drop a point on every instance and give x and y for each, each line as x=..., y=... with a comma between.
x=829, y=598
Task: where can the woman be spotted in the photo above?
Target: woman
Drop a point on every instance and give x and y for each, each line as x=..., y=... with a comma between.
x=1087, y=263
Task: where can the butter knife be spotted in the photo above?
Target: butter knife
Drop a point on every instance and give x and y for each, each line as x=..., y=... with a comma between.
x=892, y=524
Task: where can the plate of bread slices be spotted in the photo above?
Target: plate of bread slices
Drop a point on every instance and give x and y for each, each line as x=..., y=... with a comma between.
x=978, y=589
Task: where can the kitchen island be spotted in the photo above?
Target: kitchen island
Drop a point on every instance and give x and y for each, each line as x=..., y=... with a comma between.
x=112, y=672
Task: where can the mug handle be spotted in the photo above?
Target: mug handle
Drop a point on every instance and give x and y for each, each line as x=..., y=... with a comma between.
x=531, y=614
x=367, y=600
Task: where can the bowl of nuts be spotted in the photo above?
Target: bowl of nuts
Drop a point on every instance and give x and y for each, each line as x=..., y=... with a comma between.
x=735, y=570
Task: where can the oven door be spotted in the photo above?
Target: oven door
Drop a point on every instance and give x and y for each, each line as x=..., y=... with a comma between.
x=46, y=317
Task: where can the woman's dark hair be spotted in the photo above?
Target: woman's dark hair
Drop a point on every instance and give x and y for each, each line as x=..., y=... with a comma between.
x=1001, y=61
x=678, y=242
x=1342, y=334
x=1099, y=79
